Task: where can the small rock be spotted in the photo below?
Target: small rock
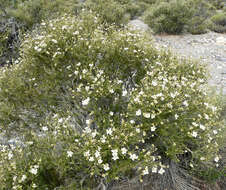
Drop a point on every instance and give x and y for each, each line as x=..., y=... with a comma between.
x=221, y=40
x=138, y=25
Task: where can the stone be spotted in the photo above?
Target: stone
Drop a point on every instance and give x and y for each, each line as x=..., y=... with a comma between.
x=221, y=40
x=138, y=25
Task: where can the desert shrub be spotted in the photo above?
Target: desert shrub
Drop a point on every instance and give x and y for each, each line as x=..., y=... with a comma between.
x=34, y=11
x=198, y=25
x=219, y=22
x=168, y=17
x=201, y=11
x=111, y=11
x=18, y=17
x=218, y=4
x=106, y=105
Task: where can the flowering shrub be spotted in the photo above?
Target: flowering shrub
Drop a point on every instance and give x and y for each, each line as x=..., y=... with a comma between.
x=101, y=104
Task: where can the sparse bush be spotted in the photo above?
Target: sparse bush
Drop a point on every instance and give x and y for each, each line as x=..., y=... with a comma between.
x=218, y=4
x=111, y=11
x=219, y=22
x=198, y=26
x=201, y=11
x=100, y=104
x=33, y=12
x=19, y=17
x=168, y=17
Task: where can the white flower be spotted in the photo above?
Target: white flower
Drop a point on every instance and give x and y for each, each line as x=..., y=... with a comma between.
x=132, y=121
x=202, y=158
x=124, y=150
x=154, y=83
x=137, y=130
x=23, y=178
x=154, y=170
x=152, y=116
x=145, y=171
x=34, y=185
x=103, y=139
x=111, y=113
x=109, y=131
x=138, y=112
x=33, y=171
x=115, y=151
x=30, y=142
x=64, y=27
x=87, y=130
x=194, y=134
x=124, y=92
x=111, y=91
x=88, y=121
x=206, y=116
x=54, y=41
x=146, y=115
x=133, y=157
x=153, y=128
x=106, y=167
x=216, y=159
x=69, y=154
x=87, y=153
x=161, y=171
x=202, y=127
x=14, y=178
x=97, y=154
x=86, y=101
x=91, y=159
x=176, y=116
x=87, y=88
x=60, y=120
x=115, y=157
x=76, y=72
x=100, y=161
x=173, y=95
x=45, y=128
x=94, y=134
x=215, y=132
x=10, y=155
x=185, y=103
x=115, y=154
x=195, y=124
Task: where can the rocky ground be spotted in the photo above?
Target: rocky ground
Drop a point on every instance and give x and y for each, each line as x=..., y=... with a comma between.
x=209, y=48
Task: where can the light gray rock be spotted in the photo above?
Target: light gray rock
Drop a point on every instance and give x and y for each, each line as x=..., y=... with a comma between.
x=138, y=25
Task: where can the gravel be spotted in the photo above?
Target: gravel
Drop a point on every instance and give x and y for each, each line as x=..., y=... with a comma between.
x=209, y=48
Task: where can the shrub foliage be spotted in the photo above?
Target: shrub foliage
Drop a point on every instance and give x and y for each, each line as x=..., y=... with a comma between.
x=100, y=104
x=168, y=17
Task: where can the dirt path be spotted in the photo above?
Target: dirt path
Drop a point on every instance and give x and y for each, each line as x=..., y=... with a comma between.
x=210, y=48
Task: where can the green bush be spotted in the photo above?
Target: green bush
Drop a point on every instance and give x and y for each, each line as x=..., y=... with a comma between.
x=219, y=22
x=111, y=11
x=201, y=11
x=98, y=104
x=198, y=25
x=168, y=17
x=33, y=12
x=218, y=4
